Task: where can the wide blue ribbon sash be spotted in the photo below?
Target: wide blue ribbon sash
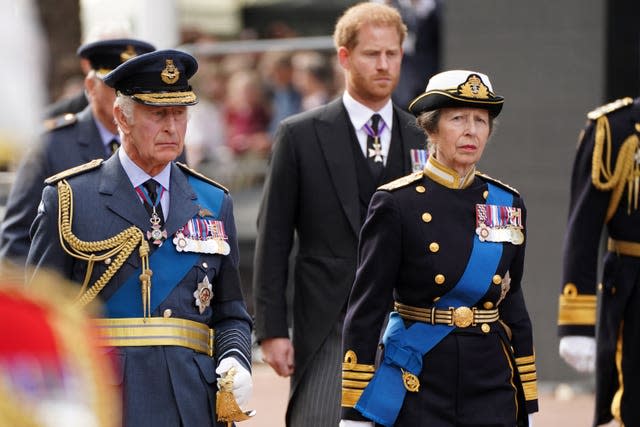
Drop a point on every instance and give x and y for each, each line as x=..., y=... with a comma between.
x=404, y=348
x=168, y=265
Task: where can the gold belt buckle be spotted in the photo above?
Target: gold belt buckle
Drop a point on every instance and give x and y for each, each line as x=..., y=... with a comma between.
x=462, y=317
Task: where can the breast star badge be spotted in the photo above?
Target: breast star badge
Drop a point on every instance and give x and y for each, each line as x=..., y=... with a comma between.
x=203, y=294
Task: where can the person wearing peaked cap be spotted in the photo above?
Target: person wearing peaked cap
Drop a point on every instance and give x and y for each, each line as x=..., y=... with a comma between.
x=70, y=140
x=445, y=248
x=101, y=56
x=158, y=78
x=598, y=325
x=156, y=243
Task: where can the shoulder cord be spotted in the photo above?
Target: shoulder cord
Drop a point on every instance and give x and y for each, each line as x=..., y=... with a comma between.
x=624, y=172
x=119, y=246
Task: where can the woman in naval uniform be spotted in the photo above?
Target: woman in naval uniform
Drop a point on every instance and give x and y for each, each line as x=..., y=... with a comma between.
x=444, y=248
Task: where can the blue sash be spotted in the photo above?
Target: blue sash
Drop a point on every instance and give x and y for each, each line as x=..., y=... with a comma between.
x=404, y=348
x=168, y=265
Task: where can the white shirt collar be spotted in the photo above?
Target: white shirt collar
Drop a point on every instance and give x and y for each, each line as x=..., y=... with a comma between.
x=138, y=177
x=360, y=114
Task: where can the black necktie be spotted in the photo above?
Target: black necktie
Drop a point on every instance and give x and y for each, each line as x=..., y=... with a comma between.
x=374, y=148
x=152, y=191
x=113, y=145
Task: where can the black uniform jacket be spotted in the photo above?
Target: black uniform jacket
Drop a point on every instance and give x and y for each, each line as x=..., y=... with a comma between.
x=414, y=247
x=604, y=196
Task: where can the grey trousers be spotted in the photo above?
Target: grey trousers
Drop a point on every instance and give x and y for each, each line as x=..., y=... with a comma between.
x=316, y=402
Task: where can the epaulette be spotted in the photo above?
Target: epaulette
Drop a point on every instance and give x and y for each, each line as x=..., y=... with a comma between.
x=60, y=121
x=201, y=176
x=499, y=183
x=610, y=107
x=77, y=170
x=402, y=182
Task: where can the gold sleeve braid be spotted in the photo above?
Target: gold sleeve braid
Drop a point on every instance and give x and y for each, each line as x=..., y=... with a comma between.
x=625, y=172
x=355, y=378
x=119, y=246
x=528, y=376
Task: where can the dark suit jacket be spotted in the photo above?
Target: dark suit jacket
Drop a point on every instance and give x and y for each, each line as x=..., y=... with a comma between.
x=162, y=385
x=312, y=190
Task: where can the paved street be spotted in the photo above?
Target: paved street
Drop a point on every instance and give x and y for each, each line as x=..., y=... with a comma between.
x=569, y=409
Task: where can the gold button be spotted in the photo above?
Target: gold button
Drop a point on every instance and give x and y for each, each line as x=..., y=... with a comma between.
x=497, y=279
x=434, y=247
x=485, y=194
x=426, y=217
x=439, y=279
x=436, y=299
x=107, y=261
x=485, y=328
x=420, y=189
x=167, y=313
x=488, y=305
x=613, y=290
x=600, y=287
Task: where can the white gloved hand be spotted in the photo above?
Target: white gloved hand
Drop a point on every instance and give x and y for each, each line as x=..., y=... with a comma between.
x=530, y=420
x=242, y=381
x=579, y=352
x=351, y=423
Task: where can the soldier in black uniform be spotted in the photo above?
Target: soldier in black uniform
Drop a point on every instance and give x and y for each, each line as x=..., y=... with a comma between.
x=604, y=192
x=445, y=246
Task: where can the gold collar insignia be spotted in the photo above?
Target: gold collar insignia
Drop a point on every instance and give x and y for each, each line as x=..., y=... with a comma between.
x=446, y=176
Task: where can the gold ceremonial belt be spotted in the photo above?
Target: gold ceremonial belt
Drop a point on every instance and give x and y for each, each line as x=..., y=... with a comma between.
x=461, y=317
x=622, y=247
x=138, y=331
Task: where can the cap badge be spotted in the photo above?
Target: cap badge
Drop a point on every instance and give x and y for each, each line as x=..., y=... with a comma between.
x=170, y=74
x=474, y=88
x=128, y=53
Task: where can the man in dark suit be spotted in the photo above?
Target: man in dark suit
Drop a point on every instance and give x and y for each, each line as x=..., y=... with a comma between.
x=71, y=141
x=156, y=243
x=326, y=165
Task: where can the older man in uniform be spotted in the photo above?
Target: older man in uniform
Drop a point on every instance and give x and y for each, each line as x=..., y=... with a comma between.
x=71, y=141
x=605, y=187
x=156, y=243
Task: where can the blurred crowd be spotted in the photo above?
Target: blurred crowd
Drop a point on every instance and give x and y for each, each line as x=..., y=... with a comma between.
x=243, y=97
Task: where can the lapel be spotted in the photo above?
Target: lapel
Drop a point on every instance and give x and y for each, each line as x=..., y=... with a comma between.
x=89, y=142
x=121, y=196
x=182, y=202
x=124, y=202
x=332, y=127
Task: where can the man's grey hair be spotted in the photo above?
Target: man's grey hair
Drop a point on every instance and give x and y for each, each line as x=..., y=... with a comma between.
x=125, y=104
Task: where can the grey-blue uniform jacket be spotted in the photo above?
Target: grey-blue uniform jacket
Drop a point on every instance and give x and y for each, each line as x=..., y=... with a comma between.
x=162, y=385
x=414, y=247
x=74, y=140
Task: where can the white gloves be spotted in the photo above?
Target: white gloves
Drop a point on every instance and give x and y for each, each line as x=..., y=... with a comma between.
x=242, y=382
x=579, y=352
x=530, y=420
x=350, y=423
